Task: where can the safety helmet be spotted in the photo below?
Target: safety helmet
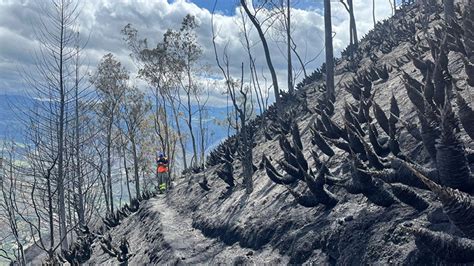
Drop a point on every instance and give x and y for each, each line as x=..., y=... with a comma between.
x=161, y=154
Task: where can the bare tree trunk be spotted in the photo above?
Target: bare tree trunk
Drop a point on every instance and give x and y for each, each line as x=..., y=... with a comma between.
x=329, y=50
x=373, y=13
x=288, y=40
x=353, y=23
x=202, y=130
x=265, y=49
x=109, y=166
x=127, y=176
x=167, y=147
x=179, y=132
x=392, y=7
x=62, y=104
x=190, y=122
x=247, y=160
x=103, y=180
x=51, y=218
x=111, y=84
x=253, y=72
x=80, y=178
x=351, y=36
x=135, y=165
x=303, y=65
x=246, y=149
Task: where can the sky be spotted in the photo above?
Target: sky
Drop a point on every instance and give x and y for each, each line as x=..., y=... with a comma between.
x=101, y=21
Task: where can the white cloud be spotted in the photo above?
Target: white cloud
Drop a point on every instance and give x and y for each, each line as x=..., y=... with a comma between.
x=105, y=18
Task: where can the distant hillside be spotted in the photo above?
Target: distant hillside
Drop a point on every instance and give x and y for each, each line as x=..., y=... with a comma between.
x=12, y=118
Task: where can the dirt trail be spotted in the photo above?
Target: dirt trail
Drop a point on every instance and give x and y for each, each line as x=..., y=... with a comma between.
x=189, y=245
x=158, y=234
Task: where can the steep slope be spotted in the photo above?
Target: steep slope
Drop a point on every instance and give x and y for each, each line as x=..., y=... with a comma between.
x=157, y=234
x=376, y=216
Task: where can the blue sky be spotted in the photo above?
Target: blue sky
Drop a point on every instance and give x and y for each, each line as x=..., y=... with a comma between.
x=227, y=7
x=102, y=20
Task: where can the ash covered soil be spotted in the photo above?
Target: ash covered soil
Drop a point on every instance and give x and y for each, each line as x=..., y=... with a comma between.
x=190, y=225
x=157, y=234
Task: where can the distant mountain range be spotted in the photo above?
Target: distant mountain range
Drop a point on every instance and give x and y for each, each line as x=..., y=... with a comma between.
x=13, y=108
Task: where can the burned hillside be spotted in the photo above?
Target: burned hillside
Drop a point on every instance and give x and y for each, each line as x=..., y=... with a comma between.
x=379, y=172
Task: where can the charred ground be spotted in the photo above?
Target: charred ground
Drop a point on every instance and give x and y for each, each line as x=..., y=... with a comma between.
x=378, y=173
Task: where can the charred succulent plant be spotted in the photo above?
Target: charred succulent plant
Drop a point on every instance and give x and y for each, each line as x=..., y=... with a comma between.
x=408, y=196
x=226, y=173
x=466, y=115
x=204, y=184
x=111, y=220
x=356, y=142
x=315, y=184
x=452, y=164
x=380, y=150
x=362, y=183
x=457, y=205
x=414, y=93
x=372, y=157
x=352, y=119
x=276, y=177
x=383, y=73
x=321, y=143
x=442, y=245
x=429, y=133
x=381, y=117
x=306, y=200
x=297, y=169
x=394, y=115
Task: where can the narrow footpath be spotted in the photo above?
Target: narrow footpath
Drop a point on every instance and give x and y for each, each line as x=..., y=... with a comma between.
x=189, y=245
x=158, y=234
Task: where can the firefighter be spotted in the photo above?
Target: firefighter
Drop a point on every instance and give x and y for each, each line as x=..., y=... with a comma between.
x=162, y=172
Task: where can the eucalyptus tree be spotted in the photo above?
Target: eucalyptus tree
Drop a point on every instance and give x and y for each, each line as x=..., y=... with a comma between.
x=111, y=81
x=172, y=69
x=158, y=67
x=134, y=110
x=186, y=50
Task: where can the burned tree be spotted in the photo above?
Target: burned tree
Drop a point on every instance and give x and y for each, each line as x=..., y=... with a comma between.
x=134, y=111
x=261, y=34
x=240, y=95
x=329, y=50
x=353, y=40
x=111, y=81
x=48, y=124
x=9, y=206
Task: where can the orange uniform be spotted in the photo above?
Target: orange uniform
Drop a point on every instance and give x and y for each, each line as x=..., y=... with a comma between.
x=162, y=165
